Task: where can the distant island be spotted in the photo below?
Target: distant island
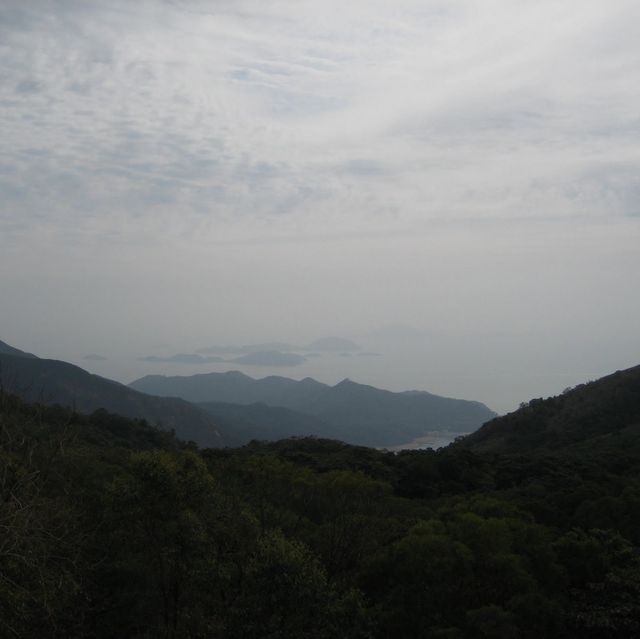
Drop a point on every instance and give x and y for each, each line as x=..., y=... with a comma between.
x=333, y=345
x=182, y=358
x=321, y=345
x=258, y=358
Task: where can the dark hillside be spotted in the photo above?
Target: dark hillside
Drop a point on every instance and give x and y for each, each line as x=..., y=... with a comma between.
x=599, y=409
x=99, y=428
x=6, y=349
x=242, y=423
x=103, y=516
x=54, y=382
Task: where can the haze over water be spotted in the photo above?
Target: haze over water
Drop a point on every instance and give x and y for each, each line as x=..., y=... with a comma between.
x=180, y=174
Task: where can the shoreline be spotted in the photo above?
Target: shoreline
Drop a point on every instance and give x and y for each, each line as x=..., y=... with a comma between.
x=433, y=439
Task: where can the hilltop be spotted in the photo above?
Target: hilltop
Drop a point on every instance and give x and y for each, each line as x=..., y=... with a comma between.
x=601, y=410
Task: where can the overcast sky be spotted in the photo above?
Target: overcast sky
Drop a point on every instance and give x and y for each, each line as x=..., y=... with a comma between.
x=453, y=184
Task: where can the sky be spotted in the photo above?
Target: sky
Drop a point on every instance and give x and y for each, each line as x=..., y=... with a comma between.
x=455, y=185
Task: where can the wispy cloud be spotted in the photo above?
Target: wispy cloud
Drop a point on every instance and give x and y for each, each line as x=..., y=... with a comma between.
x=217, y=111
x=257, y=167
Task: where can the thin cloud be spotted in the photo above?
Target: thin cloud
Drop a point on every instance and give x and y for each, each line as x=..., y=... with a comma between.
x=251, y=107
x=248, y=170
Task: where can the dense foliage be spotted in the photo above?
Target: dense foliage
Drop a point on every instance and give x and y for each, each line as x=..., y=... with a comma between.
x=110, y=528
x=605, y=408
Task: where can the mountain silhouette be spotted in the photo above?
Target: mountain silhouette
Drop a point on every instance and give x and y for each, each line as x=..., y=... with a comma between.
x=356, y=413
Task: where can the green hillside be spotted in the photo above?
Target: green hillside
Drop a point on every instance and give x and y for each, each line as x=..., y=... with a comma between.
x=605, y=408
x=112, y=528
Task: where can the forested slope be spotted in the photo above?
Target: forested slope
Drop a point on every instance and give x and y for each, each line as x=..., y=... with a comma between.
x=607, y=407
x=114, y=529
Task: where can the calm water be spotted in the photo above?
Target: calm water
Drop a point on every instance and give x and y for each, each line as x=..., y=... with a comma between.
x=433, y=440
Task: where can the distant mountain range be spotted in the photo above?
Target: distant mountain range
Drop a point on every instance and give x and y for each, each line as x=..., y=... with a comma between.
x=235, y=408
x=348, y=411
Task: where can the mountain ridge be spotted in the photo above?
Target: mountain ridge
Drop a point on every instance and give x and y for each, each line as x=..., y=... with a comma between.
x=357, y=413
x=6, y=349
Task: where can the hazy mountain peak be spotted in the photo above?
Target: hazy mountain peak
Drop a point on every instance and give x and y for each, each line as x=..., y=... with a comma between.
x=349, y=411
x=234, y=374
x=95, y=357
